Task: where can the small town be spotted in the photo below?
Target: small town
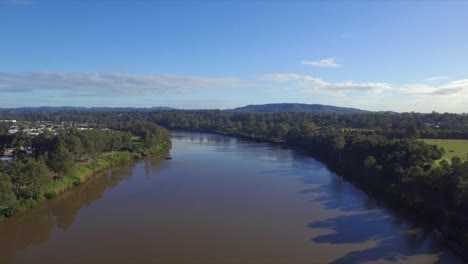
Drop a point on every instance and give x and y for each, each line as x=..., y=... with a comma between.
x=33, y=129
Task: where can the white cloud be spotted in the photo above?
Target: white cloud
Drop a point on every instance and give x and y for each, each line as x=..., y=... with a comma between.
x=459, y=87
x=316, y=84
x=197, y=91
x=325, y=63
x=436, y=78
x=364, y=87
x=293, y=77
x=416, y=89
x=112, y=84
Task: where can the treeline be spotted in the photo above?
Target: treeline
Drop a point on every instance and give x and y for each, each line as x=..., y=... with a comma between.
x=403, y=171
x=378, y=151
x=432, y=125
x=385, y=159
x=46, y=163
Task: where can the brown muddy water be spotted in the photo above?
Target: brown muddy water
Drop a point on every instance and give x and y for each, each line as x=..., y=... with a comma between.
x=219, y=200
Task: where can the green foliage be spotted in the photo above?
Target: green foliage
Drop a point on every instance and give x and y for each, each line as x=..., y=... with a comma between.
x=412, y=132
x=452, y=147
x=7, y=196
x=28, y=177
x=370, y=162
x=60, y=160
x=21, y=140
x=69, y=158
x=4, y=128
x=377, y=151
x=79, y=174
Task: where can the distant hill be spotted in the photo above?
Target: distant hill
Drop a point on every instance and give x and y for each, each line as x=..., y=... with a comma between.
x=291, y=107
x=264, y=108
x=53, y=109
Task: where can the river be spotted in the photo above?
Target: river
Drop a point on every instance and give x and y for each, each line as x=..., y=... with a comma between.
x=219, y=200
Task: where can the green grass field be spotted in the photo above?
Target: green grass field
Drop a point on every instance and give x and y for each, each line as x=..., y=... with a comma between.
x=452, y=147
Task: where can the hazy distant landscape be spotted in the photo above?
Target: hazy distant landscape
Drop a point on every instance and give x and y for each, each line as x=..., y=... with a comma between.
x=233, y=132
x=265, y=108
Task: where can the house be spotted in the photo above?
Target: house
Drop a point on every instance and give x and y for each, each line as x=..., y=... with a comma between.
x=12, y=131
x=8, y=152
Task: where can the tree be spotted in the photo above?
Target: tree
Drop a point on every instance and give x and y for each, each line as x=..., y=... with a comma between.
x=60, y=159
x=412, y=131
x=42, y=143
x=21, y=140
x=338, y=143
x=307, y=128
x=370, y=162
x=280, y=130
x=3, y=128
x=29, y=177
x=74, y=145
x=7, y=196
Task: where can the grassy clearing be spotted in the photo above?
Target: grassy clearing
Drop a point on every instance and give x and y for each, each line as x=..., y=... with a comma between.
x=82, y=172
x=452, y=147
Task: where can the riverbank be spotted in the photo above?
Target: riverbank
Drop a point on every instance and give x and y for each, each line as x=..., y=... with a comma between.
x=434, y=219
x=216, y=185
x=443, y=224
x=83, y=171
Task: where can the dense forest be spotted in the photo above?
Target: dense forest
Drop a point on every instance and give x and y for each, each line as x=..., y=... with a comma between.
x=380, y=152
x=49, y=163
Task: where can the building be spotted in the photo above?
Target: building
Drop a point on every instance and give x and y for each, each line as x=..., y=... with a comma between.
x=12, y=131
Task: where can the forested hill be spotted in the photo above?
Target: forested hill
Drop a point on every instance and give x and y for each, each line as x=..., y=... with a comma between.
x=264, y=108
x=292, y=107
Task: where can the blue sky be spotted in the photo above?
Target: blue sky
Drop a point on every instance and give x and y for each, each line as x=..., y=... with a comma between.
x=400, y=56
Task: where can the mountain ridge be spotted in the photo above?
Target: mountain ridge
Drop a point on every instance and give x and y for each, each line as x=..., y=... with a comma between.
x=297, y=107
x=254, y=108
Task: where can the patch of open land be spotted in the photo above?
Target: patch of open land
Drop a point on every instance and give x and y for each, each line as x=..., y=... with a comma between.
x=452, y=147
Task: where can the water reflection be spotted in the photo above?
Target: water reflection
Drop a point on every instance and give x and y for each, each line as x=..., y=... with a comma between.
x=36, y=225
x=392, y=245
x=202, y=138
x=218, y=200
x=390, y=234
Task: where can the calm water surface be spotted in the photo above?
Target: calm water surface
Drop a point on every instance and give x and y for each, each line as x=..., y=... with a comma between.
x=219, y=200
